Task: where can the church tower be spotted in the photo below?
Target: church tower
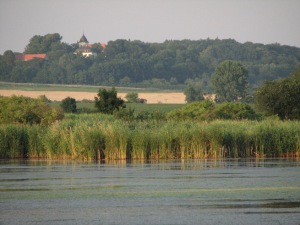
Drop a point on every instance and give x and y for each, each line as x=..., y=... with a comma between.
x=85, y=48
x=83, y=41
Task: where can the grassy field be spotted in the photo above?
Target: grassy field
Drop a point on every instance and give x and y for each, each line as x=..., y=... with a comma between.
x=76, y=88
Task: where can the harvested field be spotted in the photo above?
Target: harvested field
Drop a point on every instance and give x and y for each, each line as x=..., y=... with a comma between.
x=152, y=98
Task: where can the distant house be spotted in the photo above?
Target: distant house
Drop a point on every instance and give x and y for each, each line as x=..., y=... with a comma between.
x=28, y=57
x=85, y=48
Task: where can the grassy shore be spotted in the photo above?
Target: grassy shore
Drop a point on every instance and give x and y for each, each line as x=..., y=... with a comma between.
x=98, y=136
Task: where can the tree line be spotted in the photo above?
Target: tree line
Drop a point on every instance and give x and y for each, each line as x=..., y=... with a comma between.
x=171, y=64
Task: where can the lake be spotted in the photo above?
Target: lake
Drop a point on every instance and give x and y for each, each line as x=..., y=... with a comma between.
x=223, y=191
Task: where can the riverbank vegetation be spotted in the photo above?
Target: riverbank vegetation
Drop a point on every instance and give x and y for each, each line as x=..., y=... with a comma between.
x=25, y=110
x=31, y=128
x=101, y=136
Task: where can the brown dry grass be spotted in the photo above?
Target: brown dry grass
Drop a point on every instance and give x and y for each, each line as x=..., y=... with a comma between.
x=152, y=98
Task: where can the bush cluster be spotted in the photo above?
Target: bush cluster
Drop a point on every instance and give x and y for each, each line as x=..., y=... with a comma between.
x=207, y=110
x=25, y=110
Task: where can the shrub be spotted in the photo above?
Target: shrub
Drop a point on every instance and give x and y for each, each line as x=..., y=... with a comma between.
x=207, y=110
x=196, y=110
x=69, y=105
x=155, y=115
x=107, y=101
x=236, y=111
x=132, y=97
x=125, y=114
x=20, y=109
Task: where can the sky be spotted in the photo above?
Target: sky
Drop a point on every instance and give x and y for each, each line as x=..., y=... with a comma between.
x=257, y=21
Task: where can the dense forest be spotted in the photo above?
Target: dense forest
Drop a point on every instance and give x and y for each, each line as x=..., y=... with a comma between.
x=170, y=64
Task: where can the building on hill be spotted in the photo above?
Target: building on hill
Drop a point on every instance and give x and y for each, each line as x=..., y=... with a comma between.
x=28, y=57
x=85, y=48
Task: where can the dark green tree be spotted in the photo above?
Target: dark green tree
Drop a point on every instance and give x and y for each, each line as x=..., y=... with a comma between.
x=9, y=58
x=280, y=97
x=69, y=105
x=230, y=81
x=107, y=101
x=5, y=70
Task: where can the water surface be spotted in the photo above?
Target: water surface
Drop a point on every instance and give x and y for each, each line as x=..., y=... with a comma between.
x=231, y=191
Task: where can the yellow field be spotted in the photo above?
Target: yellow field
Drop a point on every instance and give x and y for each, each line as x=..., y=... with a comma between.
x=152, y=98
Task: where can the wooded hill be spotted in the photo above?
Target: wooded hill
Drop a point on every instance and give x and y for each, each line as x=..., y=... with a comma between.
x=170, y=64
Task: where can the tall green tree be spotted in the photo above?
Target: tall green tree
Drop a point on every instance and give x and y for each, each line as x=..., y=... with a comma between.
x=107, y=101
x=230, y=81
x=280, y=97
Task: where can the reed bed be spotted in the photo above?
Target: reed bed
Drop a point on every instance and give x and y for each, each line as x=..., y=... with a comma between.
x=101, y=137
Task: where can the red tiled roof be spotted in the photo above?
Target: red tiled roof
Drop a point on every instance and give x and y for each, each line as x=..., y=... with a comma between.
x=27, y=57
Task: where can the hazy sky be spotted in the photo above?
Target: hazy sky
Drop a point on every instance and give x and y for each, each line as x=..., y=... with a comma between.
x=258, y=21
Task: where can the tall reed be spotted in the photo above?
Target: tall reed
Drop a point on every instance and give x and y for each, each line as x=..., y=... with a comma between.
x=13, y=141
x=36, y=148
x=139, y=144
x=92, y=137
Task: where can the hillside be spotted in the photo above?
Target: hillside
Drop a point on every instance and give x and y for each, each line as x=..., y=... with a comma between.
x=135, y=63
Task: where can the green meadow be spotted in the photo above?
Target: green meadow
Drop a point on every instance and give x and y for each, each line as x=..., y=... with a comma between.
x=75, y=88
x=137, y=107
